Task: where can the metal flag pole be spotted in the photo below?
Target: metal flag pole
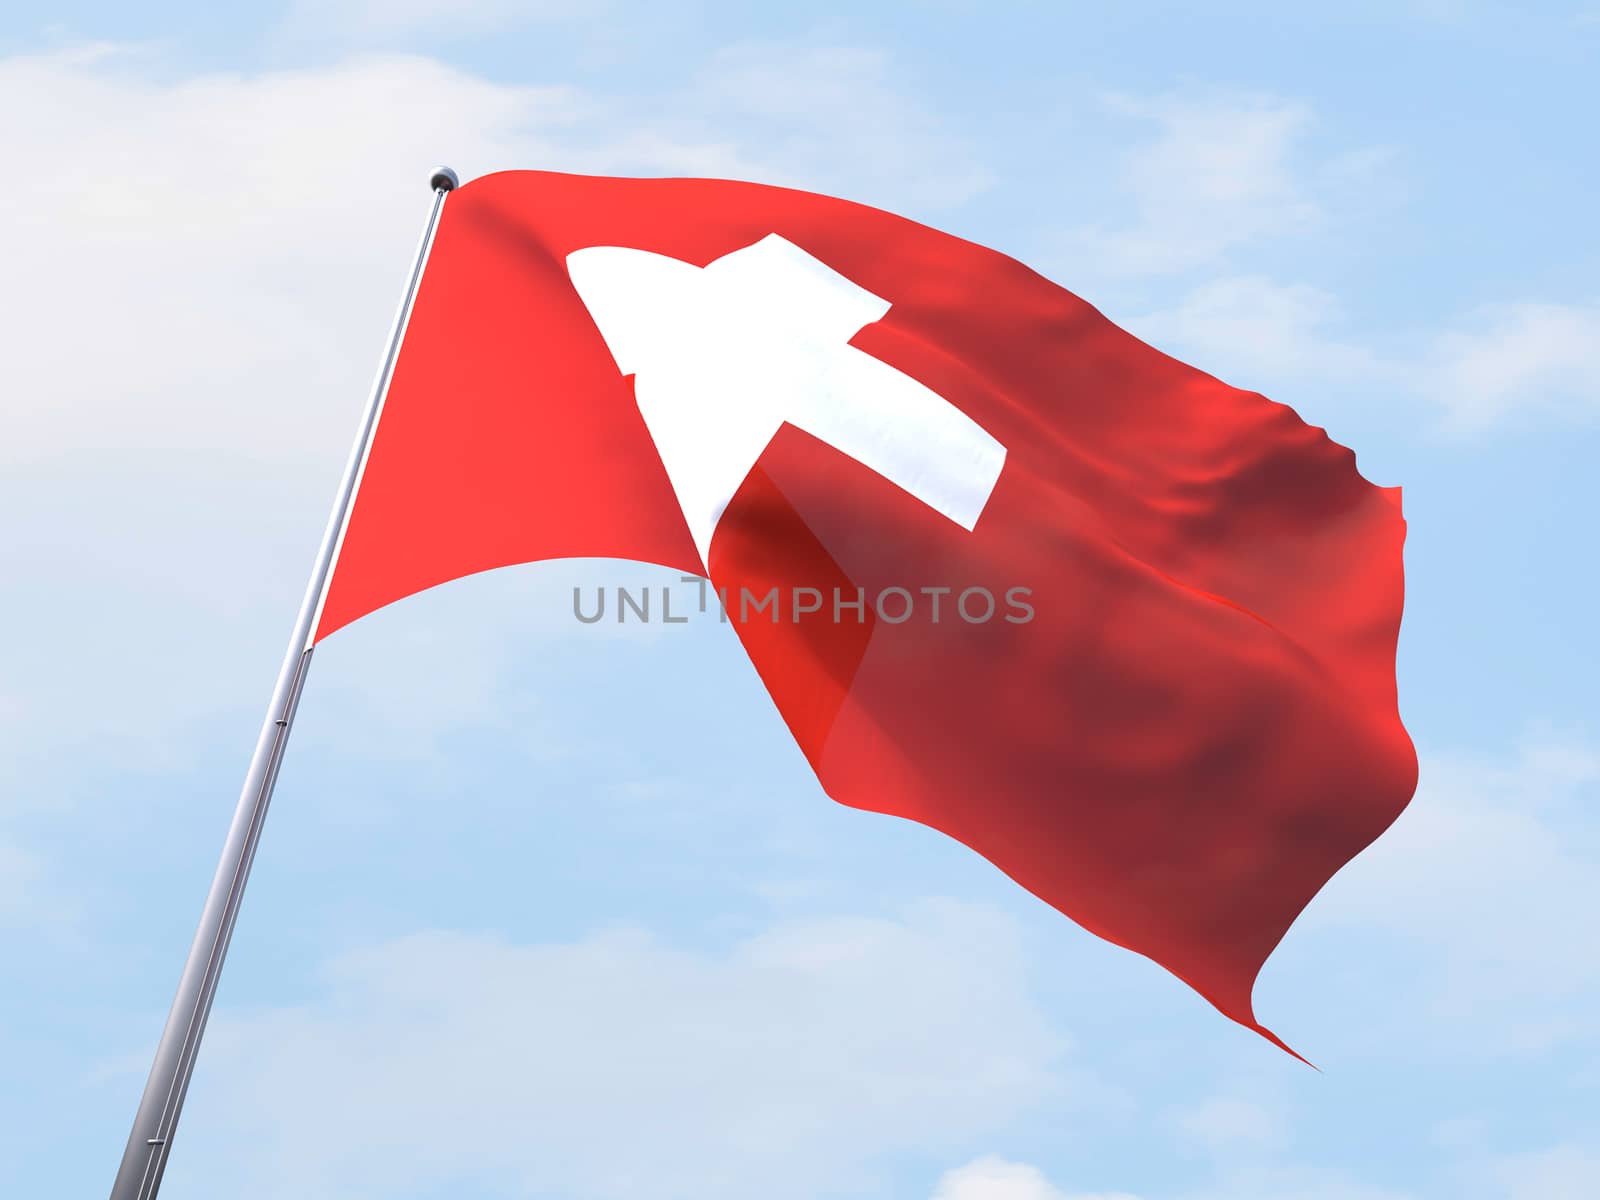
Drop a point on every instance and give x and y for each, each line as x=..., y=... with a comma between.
x=145, y=1159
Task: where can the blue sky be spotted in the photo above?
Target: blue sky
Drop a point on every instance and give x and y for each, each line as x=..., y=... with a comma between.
x=557, y=911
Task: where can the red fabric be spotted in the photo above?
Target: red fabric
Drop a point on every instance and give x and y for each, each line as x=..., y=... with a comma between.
x=1197, y=728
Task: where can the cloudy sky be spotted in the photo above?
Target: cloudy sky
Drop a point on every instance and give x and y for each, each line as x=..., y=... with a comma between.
x=556, y=911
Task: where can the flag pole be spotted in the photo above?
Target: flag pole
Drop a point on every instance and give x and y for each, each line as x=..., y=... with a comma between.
x=145, y=1158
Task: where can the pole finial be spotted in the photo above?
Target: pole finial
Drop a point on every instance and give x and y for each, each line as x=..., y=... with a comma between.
x=444, y=180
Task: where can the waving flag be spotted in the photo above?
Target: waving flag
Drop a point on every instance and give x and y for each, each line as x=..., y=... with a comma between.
x=1124, y=630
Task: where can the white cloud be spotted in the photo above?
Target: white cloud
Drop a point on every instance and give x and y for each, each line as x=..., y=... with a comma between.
x=1219, y=174
x=1224, y=1122
x=19, y=874
x=616, y=1066
x=1561, y=1173
x=994, y=1178
x=1508, y=363
x=212, y=260
x=32, y=901
x=1484, y=891
x=211, y=263
x=1293, y=1183
x=1459, y=1133
x=1252, y=332
x=1225, y=173
x=836, y=118
x=1515, y=360
x=387, y=18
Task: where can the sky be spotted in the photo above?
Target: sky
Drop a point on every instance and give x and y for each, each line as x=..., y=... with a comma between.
x=557, y=911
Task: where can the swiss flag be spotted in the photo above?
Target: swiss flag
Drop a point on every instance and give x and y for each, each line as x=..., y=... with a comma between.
x=1006, y=570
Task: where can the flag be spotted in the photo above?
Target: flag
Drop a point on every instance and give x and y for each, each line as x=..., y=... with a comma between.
x=1125, y=631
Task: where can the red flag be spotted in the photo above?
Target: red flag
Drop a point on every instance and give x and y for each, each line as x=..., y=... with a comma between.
x=1005, y=570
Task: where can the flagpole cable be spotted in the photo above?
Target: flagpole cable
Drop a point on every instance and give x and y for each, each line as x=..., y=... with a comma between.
x=150, y=1142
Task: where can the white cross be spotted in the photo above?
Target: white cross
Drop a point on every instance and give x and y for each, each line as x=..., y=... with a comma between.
x=724, y=355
